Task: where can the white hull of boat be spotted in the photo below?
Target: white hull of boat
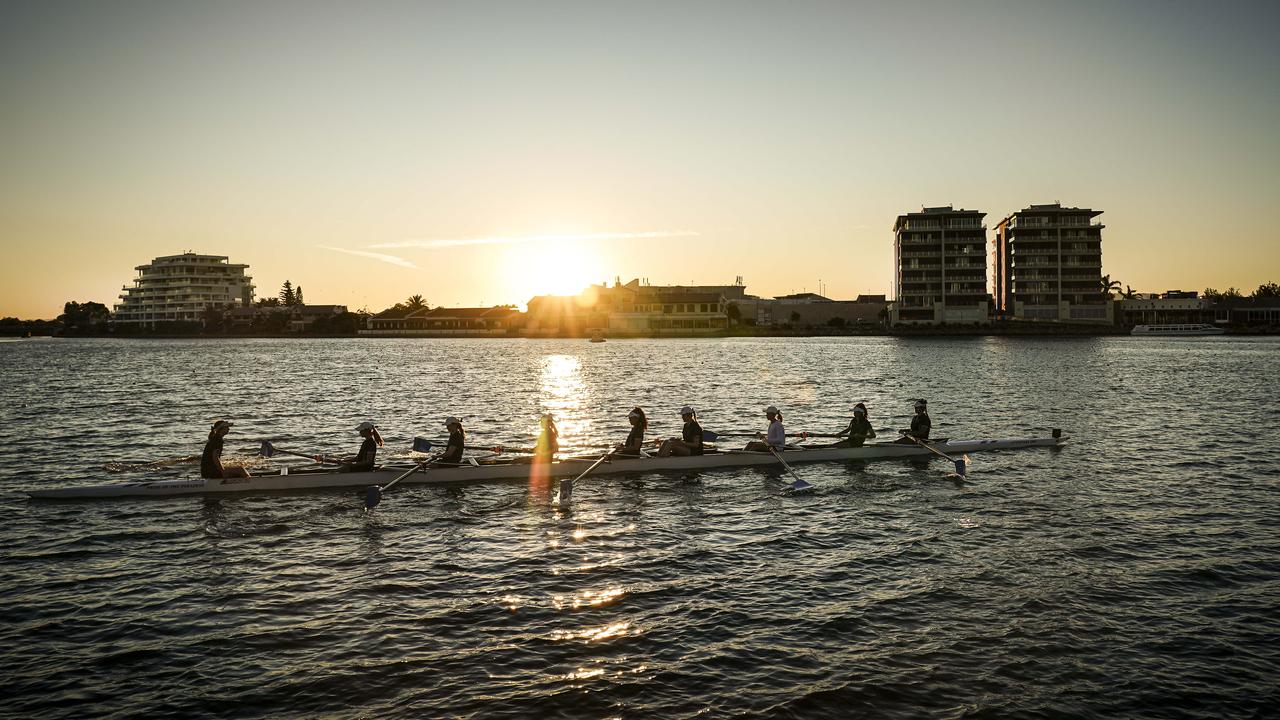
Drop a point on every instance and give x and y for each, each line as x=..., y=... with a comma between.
x=567, y=467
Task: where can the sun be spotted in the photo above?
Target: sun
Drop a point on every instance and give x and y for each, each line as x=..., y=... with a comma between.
x=552, y=267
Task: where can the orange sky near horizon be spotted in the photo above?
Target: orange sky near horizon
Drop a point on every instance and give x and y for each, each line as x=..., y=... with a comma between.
x=482, y=153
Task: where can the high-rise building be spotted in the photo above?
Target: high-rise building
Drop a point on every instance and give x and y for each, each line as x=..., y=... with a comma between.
x=1047, y=262
x=940, y=267
x=182, y=287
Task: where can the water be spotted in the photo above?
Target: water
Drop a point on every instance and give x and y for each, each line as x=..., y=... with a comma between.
x=1133, y=574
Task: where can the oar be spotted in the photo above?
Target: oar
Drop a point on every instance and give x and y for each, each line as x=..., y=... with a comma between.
x=373, y=494
x=708, y=436
x=566, y=485
x=797, y=486
x=268, y=450
x=960, y=464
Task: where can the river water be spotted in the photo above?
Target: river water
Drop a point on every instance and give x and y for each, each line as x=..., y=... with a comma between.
x=1134, y=573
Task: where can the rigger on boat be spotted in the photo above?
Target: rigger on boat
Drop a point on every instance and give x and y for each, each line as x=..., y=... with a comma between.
x=496, y=465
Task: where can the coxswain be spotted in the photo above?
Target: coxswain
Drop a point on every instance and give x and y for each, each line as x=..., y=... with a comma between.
x=635, y=439
x=690, y=440
x=457, y=441
x=364, y=459
x=548, y=444
x=211, y=459
x=859, y=428
x=775, y=438
x=920, y=423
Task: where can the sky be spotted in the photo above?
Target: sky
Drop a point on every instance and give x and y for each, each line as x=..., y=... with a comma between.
x=480, y=153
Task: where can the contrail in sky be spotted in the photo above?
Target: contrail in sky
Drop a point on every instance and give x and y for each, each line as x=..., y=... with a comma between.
x=392, y=259
x=501, y=240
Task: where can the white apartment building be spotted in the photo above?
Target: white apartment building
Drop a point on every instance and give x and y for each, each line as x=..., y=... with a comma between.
x=182, y=287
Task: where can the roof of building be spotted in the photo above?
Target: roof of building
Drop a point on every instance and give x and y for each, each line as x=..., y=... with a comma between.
x=442, y=313
x=804, y=296
x=871, y=299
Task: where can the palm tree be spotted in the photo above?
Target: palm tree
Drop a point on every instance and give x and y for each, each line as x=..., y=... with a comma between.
x=1128, y=292
x=415, y=302
x=1109, y=286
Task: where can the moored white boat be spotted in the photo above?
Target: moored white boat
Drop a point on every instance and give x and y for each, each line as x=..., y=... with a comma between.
x=1188, y=329
x=510, y=471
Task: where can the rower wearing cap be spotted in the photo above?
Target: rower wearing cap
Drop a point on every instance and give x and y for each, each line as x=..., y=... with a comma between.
x=920, y=422
x=457, y=441
x=859, y=428
x=690, y=440
x=776, y=438
x=368, y=449
x=635, y=439
x=211, y=459
x=548, y=439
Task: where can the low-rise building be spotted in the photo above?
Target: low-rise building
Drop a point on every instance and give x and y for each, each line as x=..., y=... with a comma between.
x=1172, y=308
x=1261, y=312
x=635, y=309
x=496, y=321
x=812, y=310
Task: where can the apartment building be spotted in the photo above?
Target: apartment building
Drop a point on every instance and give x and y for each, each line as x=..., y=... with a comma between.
x=1047, y=265
x=940, y=267
x=181, y=287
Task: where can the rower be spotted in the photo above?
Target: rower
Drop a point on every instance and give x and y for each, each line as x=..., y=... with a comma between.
x=920, y=423
x=690, y=440
x=363, y=461
x=635, y=439
x=776, y=438
x=859, y=428
x=548, y=440
x=211, y=459
x=457, y=441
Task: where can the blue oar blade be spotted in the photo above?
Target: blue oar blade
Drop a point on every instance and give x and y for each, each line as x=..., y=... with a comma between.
x=372, y=496
x=708, y=436
x=962, y=466
x=566, y=491
x=801, y=486
x=267, y=449
x=421, y=444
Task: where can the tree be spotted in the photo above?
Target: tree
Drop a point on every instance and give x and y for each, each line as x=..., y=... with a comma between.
x=836, y=322
x=1266, y=290
x=1211, y=295
x=734, y=312
x=415, y=302
x=795, y=316
x=268, y=302
x=286, y=294
x=1109, y=286
x=297, y=296
x=213, y=319
x=1128, y=292
x=84, y=317
x=1232, y=294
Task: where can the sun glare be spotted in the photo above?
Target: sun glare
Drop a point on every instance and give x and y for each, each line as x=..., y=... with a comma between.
x=553, y=268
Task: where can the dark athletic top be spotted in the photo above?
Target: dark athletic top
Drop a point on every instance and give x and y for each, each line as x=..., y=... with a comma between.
x=211, y=458
x=692, y=434
x=635, y=438
x=920, y=426
x=368, y=452
x=859, y=430
x=457, y=441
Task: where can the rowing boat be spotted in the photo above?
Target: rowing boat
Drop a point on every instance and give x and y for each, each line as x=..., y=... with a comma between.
x=490, y=471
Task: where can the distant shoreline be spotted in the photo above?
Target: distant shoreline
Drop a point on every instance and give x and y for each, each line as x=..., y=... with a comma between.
x=923, y=332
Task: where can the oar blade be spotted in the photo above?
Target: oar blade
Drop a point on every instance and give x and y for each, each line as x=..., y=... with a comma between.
x=801, y=486
x=421, y=444
x=962, y=466
x=708, y=436
x=372, y=496
x=566, y=491
x=267, y=450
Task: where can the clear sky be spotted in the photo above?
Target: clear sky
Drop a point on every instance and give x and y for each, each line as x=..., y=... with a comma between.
x=491, y=151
